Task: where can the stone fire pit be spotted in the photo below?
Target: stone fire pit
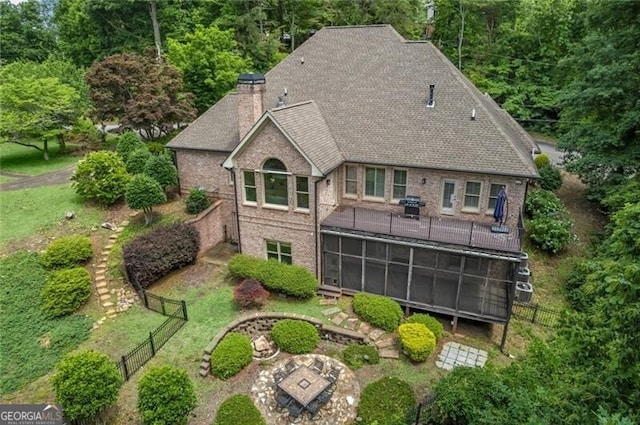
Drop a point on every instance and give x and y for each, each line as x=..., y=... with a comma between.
x=264, y=348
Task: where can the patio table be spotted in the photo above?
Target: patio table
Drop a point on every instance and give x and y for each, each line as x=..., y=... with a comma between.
x=304, y=385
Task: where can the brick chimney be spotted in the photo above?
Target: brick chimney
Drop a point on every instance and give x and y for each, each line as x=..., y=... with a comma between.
x=251, y=88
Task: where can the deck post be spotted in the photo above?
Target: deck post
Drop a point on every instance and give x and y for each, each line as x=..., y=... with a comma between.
x=454, y=325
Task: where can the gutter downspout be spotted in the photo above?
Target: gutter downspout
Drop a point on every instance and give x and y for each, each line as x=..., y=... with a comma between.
x=235, y=197
x=315, y=227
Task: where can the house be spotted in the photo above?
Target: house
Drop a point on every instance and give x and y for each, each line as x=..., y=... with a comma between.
x=373, y=162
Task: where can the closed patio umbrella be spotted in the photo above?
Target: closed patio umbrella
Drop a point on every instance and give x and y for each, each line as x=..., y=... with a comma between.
x=499, y=212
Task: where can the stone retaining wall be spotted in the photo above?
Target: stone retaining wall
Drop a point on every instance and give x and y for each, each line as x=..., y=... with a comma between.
x=260, y=323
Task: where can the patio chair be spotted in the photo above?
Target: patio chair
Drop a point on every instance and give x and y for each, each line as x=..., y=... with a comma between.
x=318, y=365
x=278, y=376
x=290, y=366
x=295, y=409
x=333, y=375
x=283, y=401
x=314, y=407
x=325, y=395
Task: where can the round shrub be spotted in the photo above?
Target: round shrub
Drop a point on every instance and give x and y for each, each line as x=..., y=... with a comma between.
x=550, y=178
x=232, y=354
x=137, y=160
x=128, y=143
x=388, y=401
x=380, y=311
x=417, y=341
x=238, y=410
x=541, y=202
x=165, y=396
x=550, y=234
x=101, y=176
x=197, y=201
x=156, y=148
x=68, y=251
x=85, y=384
x=65, y=291
x=295, y=336
x=542, y=160
x=356, y=356
x=429, y=321
x=250, y=293
x=161, y=169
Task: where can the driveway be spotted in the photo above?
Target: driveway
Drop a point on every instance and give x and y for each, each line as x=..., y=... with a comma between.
x=26, y=182
x=556, y=157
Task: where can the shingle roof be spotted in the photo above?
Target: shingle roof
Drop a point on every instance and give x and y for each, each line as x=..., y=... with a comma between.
x=304, y=124
x=215, y=130
x=371, y=87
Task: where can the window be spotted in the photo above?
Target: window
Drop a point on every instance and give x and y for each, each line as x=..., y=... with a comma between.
x=399, y=184
x=280, y=251
x=493, y=195
x=276, y=190
x=302, y=192
x=250, y=186
x=472, y=195
x=351, y=180
x=374, y=182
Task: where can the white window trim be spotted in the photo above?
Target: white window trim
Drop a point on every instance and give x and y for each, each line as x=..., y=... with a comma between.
x=455, y=197
x=245, y=201
x=279, y=249
x=489, y=211
x=465, y=208
x=296, y=192
x=393, y=182
x=265, y=204
x=344, y=188
x=364, y=184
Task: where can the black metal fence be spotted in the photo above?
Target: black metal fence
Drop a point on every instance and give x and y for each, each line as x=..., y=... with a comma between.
x=537, y=314
x=139, y=356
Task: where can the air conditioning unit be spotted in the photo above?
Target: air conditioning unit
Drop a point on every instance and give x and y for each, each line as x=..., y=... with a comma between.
x=524, y=291
x=524, y=260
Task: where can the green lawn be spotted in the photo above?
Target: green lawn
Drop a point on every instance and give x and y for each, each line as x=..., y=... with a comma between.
x=25, y=160
x=5, y=179
x=31, y=343
x=26, y=212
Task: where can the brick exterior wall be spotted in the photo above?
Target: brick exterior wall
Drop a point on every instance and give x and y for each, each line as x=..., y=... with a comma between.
x=210, y=226
x=431, y=193
x=250, y=106
x=260, y=222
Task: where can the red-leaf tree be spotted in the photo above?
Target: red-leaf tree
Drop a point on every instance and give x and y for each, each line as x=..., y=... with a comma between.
x=143, y=94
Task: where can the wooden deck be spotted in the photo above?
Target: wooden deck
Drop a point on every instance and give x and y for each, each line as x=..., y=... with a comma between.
x=435, y=229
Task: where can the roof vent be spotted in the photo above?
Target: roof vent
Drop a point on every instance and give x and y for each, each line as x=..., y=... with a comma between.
x=302, y=60
x=280, y=102
x=251, y=79
x=431, y=102
x=473, y=115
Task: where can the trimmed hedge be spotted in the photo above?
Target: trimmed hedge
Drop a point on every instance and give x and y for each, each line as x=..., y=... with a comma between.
x=156, y=254
x=295, y=336
x=380, y=311
x=354, y=356
x=165, y=396
x=417, y=341
x=238, y=410
x=197, y=201
x=128, y=143
x=65, y=291
x=67, y=252
x=430, y=322
x=388, y=401
x=542, y=160
x=550, y=178
x=232, y=354
x=278, y=277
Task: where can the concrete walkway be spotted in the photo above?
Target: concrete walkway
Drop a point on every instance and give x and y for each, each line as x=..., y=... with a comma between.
x=455, y=354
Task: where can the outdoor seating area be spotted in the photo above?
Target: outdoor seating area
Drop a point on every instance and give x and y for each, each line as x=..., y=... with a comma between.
x=307, y=389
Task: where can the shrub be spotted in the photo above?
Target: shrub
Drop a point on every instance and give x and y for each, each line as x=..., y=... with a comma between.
x=551, y=234
x=137, y=161
x=85, y=384
x=238, y=410
x=417, y=340
x=68, y=251
x=550, y=178
x=380, y=311
x=127, y=143
x=156, y=148
x=354, y=356
x=143, y=193
x=542, y=160
x=65, y=291
x=541, y=202
x=430, y=322
x=232, y=354
x=83, y=133
x=250, y=294
x=154, y=255
x=197, y=201
x=278, y=277
x=295, y=336
x=388, y=401
x=161, y=169
x=101, y=176
x=165, y=396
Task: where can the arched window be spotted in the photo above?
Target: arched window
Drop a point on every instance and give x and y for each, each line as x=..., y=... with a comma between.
x=275, y=179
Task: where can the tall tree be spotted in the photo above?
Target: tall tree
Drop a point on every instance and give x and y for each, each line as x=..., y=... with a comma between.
x=143, y=94
x=25, y=31
x=601, y=112
x=210, y=63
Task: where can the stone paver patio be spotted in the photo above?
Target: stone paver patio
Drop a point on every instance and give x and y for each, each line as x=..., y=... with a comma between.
x=341, y=409
x=455, y=354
